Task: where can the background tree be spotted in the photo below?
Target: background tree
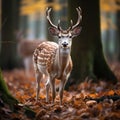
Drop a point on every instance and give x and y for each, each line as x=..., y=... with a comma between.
x=87, y=53
x=118, y=22
x=110, y=28
x=10, y=19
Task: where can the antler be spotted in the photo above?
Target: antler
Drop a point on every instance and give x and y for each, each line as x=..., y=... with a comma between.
x=48, y=17
x=79, y=11
x=59, y=28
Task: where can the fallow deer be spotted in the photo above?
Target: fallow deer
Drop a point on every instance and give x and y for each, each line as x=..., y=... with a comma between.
x=25, y=49
x=52, y=60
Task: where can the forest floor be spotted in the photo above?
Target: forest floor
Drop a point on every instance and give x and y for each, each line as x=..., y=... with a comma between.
x=86, y=101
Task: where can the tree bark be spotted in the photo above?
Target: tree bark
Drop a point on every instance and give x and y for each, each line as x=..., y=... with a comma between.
x=118, y=30
x=10, y=16
x=5, y=94
x=87, y=53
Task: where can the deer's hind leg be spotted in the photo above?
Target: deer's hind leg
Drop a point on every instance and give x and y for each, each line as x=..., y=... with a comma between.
x=39, y=77
x=47, y=80
x=50, y=82
x=47, y=90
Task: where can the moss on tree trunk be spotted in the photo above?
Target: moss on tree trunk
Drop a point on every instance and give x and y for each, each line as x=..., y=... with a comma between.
x=5, y=94
x=87, y=53
x=11, y=101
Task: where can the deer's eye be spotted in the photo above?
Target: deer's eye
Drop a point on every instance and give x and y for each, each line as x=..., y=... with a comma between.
x=70, y=36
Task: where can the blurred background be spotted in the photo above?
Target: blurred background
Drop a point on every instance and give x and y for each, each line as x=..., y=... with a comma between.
x=24, y=25
x=110, y=28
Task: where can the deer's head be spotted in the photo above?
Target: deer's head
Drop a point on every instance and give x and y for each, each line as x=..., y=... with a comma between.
x=65, y=36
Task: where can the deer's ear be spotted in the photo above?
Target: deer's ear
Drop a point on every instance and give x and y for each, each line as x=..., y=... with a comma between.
x=53, y=31
x=76, y=31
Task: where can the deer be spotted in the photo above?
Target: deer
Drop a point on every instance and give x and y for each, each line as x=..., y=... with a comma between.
x=53, y=60
x=25, y=49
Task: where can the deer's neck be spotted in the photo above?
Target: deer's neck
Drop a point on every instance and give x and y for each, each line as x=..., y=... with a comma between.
x=63, y=58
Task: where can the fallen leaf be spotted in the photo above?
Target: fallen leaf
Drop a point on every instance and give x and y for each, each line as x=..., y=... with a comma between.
x=91, y=103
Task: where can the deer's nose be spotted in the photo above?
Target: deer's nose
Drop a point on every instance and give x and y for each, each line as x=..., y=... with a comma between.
x=65, y=44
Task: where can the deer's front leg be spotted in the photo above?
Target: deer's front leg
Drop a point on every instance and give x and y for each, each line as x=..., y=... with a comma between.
x=61, y=89
x=52, y=84
x=27, y=66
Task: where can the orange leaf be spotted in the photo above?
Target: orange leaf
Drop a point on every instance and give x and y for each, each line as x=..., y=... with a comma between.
x=93, y=95
x=111, y=92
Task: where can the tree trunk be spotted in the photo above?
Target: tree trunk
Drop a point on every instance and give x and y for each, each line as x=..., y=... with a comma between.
x=6, y=99
x=118, y=31
x=87, y=54
x=8, y=53
x=5, y=95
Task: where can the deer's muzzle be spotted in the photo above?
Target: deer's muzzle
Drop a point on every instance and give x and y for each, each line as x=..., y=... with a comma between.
x=65, y=44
